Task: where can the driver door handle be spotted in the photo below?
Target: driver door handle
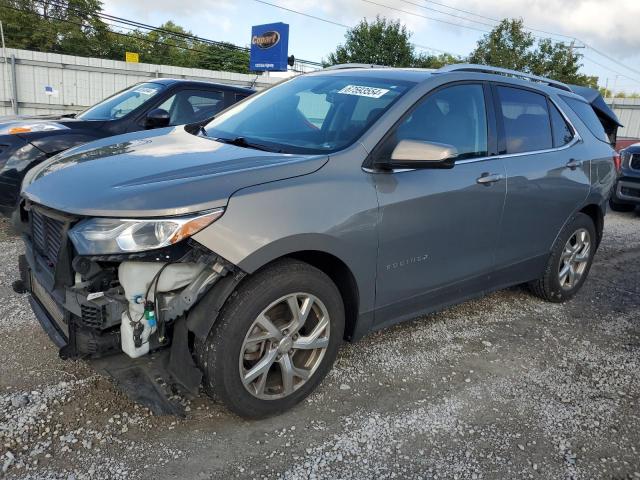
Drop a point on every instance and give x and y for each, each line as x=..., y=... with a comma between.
x=489, y=178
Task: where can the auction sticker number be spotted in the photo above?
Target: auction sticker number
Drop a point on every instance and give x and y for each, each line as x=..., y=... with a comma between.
x=362, y=91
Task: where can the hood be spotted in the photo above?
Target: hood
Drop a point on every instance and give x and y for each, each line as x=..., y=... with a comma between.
x=156, y=173
x=44, y=124
x=21, y=118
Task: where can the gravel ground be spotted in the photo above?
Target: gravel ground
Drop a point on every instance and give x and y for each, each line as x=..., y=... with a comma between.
x=504, y=387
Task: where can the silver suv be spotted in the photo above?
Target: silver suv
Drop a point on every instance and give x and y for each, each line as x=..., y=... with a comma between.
x=239, y=255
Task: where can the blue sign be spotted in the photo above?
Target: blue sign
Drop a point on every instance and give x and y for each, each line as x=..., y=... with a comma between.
x=269, y=47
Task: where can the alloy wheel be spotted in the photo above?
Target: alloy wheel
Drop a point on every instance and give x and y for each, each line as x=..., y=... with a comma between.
x=284, y=346
x=574, y=259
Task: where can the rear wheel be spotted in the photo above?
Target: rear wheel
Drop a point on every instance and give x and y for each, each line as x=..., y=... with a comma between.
x=621, y=207
x=275, y=340
x=570, y=261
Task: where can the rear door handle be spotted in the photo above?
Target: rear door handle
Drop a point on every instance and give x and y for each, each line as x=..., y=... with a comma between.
x=489, y=178
x=573, y=164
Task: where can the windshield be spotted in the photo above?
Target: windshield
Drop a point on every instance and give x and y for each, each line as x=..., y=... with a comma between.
x=309, y=114
x=122, y=103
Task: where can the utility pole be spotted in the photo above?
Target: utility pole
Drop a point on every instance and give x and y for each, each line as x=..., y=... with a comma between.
x=613, y=92
x=572, y=47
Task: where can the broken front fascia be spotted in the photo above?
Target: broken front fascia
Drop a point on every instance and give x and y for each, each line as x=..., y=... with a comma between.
x=173, y=291
x=158, y=293
x=162, y=294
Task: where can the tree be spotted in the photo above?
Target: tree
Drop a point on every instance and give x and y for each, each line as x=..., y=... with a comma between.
x=434, y=61
x=510, y=46
x=380, y=42
x=506, y=46
x=70, y=26
x=74, y=27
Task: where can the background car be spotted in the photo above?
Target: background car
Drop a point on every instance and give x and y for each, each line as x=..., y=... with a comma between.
x=626, y=194
x=25, y=142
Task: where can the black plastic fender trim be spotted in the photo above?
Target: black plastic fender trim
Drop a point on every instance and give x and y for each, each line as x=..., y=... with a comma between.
x=204, y=314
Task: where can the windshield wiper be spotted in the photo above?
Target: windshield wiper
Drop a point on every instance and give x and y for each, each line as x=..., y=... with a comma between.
x=242, y=142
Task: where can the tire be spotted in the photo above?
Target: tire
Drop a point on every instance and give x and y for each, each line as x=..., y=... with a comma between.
x=621, y=207
x=553, y=286
x=232, y=349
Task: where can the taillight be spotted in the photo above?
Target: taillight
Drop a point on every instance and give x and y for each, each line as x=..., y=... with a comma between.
x=617, y=161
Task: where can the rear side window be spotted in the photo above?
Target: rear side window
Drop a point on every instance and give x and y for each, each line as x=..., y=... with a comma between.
x=562, y=133
x=588, y=117
x=525, y=116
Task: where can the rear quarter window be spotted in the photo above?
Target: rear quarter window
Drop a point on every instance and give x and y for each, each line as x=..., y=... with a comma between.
x=588, y=117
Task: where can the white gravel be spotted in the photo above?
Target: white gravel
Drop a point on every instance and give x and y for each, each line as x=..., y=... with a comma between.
x=503, y=387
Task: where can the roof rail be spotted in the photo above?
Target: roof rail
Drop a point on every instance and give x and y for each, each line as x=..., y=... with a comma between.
x=341, y=66
x=471, y=67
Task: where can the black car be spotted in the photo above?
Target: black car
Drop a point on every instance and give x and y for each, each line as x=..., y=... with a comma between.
x=27, y=141
x=626, y=194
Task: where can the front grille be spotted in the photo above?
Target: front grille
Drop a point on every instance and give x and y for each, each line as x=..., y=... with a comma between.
x=634, y=162
x=93, y=316
x=50, y=305
x=47, y=236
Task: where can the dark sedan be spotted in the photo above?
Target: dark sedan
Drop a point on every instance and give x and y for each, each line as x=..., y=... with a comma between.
x=27, y=141
x=626, y=194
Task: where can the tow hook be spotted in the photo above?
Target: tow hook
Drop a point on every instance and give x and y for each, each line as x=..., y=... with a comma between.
x=19, y=287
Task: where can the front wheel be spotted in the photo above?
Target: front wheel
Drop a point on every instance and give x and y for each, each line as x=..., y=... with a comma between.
x=570, y=261
x=275, y=340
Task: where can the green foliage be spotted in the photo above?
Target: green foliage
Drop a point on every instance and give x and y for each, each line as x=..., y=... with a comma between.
x=434, y=61
x=384, y=42
x=380, y=42
x=74, y=27
x=69, y=26
x=509, y=45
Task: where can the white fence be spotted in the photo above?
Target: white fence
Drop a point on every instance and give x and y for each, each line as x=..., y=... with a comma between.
x=628, y=111
x=46, y=83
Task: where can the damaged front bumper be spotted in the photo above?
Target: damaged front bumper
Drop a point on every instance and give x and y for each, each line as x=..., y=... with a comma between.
x=91, y=306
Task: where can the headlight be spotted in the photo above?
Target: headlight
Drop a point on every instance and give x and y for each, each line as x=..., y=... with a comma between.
x=104, y=236
x=24, y=127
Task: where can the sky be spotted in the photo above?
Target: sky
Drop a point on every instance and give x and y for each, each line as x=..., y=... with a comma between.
x=607, y=29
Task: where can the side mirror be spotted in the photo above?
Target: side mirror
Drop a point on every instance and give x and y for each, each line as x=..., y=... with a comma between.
x=157, y=118
x=420, y=154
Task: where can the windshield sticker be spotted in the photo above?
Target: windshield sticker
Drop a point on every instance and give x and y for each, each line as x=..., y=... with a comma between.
x=361, y=91
x=146, y=91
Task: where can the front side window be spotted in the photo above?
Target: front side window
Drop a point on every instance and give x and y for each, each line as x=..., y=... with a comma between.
x=188, y=106
x=453, y=116
x=122, y=103
x=310, y=114
x=525, y=117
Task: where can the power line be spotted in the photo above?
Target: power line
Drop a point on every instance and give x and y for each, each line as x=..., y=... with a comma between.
x=332, y=22
x=303, y=14
x=612, y=59
x=128, y=35
x=612, y=70
x=497, y=20
x=474, y=28
x=114, y=21
x=447, y=13
x=426, y=17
